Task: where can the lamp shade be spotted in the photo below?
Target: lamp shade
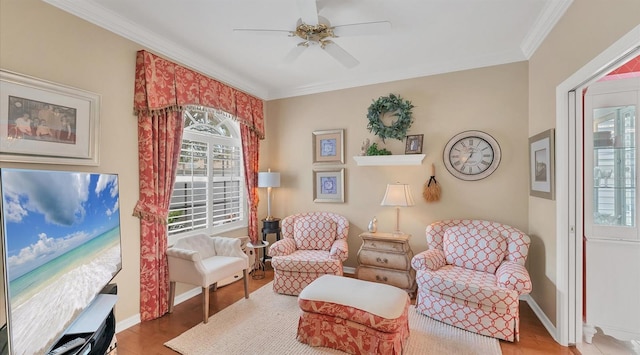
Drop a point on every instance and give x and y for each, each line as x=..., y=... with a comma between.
x=397, y=195
x=268, y=179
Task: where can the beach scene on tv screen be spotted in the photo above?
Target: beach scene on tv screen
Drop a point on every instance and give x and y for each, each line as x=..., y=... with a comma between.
x=62, y=246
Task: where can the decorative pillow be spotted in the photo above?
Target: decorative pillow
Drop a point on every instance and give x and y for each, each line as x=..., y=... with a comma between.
x=314, y=233
x=474, y=249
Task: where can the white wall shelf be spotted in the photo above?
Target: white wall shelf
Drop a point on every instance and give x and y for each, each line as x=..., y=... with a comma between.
x=385, y=160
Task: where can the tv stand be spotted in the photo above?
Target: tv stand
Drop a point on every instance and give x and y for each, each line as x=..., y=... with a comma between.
x=96, y=325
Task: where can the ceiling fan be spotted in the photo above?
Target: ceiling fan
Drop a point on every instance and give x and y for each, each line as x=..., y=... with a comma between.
x=314, y=29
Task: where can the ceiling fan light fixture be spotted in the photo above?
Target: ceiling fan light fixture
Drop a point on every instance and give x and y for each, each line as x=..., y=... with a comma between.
x=314, y=33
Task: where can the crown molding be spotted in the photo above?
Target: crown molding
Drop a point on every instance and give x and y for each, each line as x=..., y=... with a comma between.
x=106, y=19
x=547, y=19
x=428, y=69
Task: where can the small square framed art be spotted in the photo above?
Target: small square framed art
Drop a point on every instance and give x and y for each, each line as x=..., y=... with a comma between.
x=328, y=185
x=328, y=146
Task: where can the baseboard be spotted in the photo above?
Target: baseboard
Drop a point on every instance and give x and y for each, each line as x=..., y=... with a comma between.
x=541, y=316
x=135, y=319
x=186, y=295
x=127, y=323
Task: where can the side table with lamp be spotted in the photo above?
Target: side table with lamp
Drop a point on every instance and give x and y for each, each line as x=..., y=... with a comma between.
x=270, y=225
x=386, y=257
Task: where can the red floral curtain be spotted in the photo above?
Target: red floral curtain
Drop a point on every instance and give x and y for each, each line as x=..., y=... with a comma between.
x=162, y=89
x=251, y=109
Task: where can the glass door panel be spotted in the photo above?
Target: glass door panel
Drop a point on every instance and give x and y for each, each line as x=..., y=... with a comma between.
x=611, y=160
x=614, y=164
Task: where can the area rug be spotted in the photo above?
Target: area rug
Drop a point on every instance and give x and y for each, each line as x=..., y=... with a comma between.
x=267, y=322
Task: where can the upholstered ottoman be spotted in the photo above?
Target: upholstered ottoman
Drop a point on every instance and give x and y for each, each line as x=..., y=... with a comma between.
x=355, y=316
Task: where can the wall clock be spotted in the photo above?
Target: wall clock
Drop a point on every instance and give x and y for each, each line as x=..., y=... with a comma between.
x=472, y=155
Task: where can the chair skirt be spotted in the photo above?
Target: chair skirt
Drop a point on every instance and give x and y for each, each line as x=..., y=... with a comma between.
x=502, y=326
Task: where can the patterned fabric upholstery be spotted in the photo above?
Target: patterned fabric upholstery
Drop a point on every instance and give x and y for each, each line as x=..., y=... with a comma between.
x=313, y=244
x=332, y=318
x=472, y=276
x=474, y=249
x=314, y=233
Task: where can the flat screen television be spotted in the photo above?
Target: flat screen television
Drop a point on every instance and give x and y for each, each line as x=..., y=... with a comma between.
x=61, y=235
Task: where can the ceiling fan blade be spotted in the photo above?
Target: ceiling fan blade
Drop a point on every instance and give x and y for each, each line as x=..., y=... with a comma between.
x=365, y=28
x=340, y=54
x=308, y=11
x=294, y=53
x=257, y=31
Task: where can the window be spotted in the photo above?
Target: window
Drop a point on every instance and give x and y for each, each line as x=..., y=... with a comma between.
x=209, y=192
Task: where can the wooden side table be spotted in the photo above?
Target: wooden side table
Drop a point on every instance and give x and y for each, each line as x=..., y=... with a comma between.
x=386, y=258
x=270, y=227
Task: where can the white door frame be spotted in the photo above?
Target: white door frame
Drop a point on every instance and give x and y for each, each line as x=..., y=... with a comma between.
x=569, y=187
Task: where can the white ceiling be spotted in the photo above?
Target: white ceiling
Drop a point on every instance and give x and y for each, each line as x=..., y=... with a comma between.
x=427, y=37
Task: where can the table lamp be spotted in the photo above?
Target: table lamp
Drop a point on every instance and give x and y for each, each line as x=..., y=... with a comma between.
x=397, y=195
x=268, y=180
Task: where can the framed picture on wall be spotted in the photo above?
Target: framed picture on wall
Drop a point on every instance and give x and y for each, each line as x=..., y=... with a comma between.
x=328, y=185
x=541, y=165
x=328, y=146
x=414, y=144
x=44, y=122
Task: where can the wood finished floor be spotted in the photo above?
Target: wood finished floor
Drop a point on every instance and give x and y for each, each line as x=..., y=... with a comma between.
x=148, y=337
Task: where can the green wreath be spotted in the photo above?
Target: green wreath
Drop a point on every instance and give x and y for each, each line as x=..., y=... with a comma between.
x=390, y=104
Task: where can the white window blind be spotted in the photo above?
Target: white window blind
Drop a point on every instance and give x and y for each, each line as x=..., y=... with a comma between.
x=209, y=193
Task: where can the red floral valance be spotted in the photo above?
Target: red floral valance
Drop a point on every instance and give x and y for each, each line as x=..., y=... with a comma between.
x=162, y=85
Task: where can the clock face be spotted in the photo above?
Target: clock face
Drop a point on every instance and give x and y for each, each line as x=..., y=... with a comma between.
x=472, y=155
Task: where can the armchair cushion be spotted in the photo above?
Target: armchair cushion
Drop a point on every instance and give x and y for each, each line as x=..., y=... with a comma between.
x=308, y=261
x=314, y=233
x=470, y=287
x=474, y=249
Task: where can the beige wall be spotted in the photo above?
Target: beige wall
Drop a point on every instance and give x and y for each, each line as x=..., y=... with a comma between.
x=587, y=29
x=492, y=99
x=41, y=41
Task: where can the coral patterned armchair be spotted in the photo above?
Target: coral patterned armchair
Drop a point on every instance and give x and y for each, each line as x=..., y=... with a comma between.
x=313, y=244
x=472, y=275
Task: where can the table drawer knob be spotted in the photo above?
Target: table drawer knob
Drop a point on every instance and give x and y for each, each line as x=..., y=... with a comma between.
x=381, y=278
x=380, y=260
